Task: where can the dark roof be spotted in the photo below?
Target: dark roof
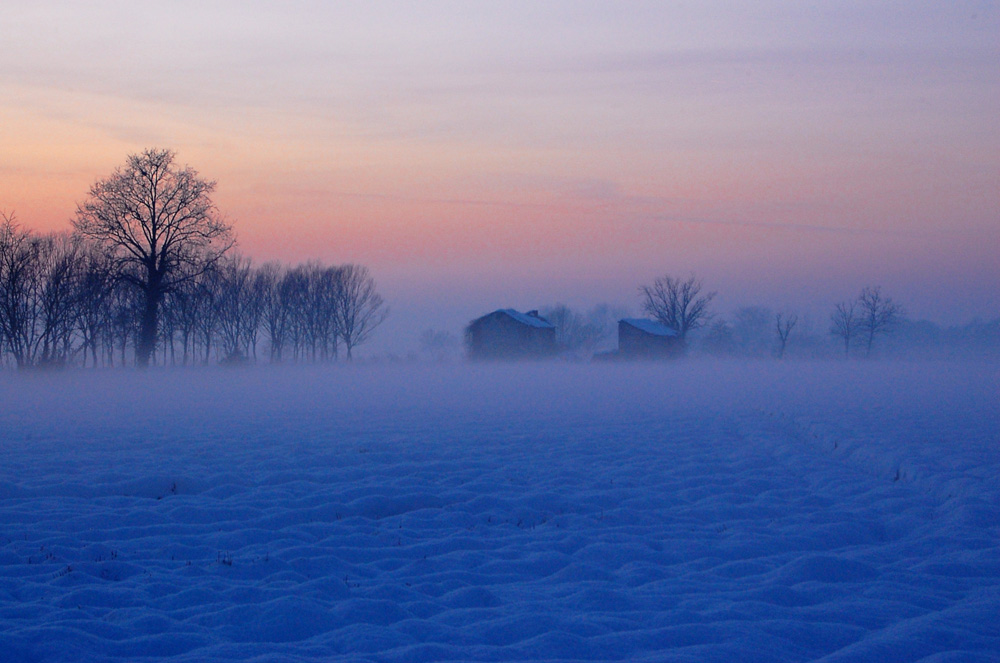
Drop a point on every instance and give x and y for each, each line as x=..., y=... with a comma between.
x=530, y=319
x=649, y=326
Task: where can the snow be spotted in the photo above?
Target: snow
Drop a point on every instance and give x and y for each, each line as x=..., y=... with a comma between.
x=525, y=319
x=681, y=511
x=650, y=326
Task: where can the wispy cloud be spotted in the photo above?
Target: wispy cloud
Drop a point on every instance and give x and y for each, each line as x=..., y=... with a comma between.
x=800, y=227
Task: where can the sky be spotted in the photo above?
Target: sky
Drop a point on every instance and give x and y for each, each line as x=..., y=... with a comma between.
x=478, y=156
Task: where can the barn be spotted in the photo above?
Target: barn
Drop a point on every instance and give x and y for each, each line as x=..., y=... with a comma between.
x=639, y=338
x=509, y=334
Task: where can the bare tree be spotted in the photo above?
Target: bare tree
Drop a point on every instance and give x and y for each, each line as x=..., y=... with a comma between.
x=206, y=315
x=294, y=293
x=94, y=287
x=574, y=333
x=845, y=323
x=59, y=272
x=360, y=308
x=257, y=291
x=677, y=304
x=878, y=314
x=121, y=327
x=159, y=219
x=37, y=275
x=784, y=323
x=324, y=288
x=312, y=299
x=275, y=313
x=20, y=285
x=182, y=306
x=233, y=306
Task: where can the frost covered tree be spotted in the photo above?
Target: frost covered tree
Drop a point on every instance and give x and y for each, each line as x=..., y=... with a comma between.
x=160, y=224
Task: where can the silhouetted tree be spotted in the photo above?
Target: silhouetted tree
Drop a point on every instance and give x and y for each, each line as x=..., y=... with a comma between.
x=122, y=326
x=324, y=299
x=360, y=308
x=295, y=296
x=679, y=305
x=878, y=314
x=206, y=298
x=70, y=298
x=844, y=324
x=159, y=221
x=234, y=307
x=59, y=271
x=95, y=285
x=784, y=323
x=275, y=312
x=20, y=286
x=38, y=295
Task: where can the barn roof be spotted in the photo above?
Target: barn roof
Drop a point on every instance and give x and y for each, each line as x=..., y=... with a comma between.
x=649, y=326
x=526, y=319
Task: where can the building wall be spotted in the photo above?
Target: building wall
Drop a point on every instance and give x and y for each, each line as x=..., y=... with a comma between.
x=635, y=343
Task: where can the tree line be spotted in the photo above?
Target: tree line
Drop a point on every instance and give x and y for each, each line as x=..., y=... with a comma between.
x=63, y=302
x=682, y=305
x=869, y=324
x=149, y=275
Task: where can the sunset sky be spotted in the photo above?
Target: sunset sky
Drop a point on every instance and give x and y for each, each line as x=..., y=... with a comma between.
x=517, y=154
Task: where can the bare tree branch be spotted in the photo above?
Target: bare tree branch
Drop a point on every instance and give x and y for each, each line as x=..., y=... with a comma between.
x=878, y=314
x=677, y=304
x=159, y=223
x=844, y=323
x=784, y=323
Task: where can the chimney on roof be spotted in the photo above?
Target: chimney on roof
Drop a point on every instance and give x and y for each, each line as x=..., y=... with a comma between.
x=533, y=313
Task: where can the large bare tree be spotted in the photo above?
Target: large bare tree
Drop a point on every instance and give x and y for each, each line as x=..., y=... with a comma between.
x=159, y=223
x=678, y=304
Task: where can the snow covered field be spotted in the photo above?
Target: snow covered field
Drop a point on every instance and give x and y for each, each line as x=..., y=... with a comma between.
x=690, y=511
